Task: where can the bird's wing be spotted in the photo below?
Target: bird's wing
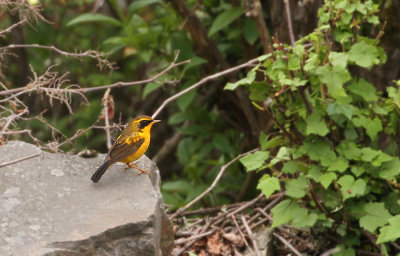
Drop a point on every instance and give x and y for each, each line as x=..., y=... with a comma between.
x=122, y=149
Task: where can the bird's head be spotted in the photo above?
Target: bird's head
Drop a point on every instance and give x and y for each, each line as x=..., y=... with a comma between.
x=143, y=123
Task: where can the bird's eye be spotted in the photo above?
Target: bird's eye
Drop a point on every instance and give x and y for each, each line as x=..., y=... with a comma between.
x=144, y=123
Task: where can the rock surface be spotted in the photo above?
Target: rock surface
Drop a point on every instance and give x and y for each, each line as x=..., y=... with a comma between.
x=49, y=206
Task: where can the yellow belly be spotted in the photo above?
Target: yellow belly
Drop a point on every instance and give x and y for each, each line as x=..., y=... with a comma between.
x=138, y=153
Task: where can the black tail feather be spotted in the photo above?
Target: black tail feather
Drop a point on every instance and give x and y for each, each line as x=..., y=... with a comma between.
x=102, y=169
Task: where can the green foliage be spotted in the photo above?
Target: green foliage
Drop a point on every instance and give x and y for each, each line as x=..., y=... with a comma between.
x=331, y=123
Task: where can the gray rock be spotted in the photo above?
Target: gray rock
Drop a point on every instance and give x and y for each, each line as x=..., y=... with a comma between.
x=49, y=206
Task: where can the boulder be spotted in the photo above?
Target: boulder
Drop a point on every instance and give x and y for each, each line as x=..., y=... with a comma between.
x=49, y=206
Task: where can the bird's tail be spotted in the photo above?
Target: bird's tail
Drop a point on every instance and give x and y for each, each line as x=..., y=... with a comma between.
x=102, y=169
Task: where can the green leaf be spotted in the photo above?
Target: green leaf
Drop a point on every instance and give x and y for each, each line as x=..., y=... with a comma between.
x=292, y=167
x=221, y=142
x=364, y=89
x=316, y=125
x=392, y=203
x=349, y=150
x=339, y=164
x=377, y=216
x=314, y=172
x=268, y=185
x=351, y=188
x=93, y=17
x=372, y=126
x=326, y=179
x=250, y=31
x=296, y=188
x=224, y=19
x=272, y=143
x=244, y=81
x=136, y=5
x=255, y=160
x=344, y=252
x=294, y=62
x=390, y=169
x=364, y=55
x=391, y=232
x=394, y=94
x=338, y=59
x=334, y=78
x=283, y=212
x=301, y=218
x=283, y=154
x=259, y=91
x=177, y=186
x=337, y=108
x=150, y=87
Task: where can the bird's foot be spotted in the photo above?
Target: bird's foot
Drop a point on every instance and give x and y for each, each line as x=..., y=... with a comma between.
x=129, y=165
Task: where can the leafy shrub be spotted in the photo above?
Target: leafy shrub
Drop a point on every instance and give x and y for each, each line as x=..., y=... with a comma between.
x=336, y=153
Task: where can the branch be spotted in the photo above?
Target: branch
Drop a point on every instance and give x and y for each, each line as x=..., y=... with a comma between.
x=107, y=128
x=99, y=88
x=12, y=27
x=99, y=56
x=289, y=21
x=201, y=82
x=253, y=240
x=209, y=189
x=19, y=160
x=257, y=14
x=288, y=245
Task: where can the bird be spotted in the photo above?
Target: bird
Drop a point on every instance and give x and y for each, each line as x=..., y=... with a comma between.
x=129, y=146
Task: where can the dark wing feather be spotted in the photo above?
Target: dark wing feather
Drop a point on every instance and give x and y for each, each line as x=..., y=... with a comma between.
x=122, y=150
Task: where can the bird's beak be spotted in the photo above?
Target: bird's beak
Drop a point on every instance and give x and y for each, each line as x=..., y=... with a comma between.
x=156, y=121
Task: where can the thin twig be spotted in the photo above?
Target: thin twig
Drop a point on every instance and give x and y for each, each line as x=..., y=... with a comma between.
x=289, y=21
x=201, y=82
x=12, y=26
x=251, y=235
x=210, y=188
x=104, y=87
x=107, y=128
x=242, y=235
x=288, y=245
x=19, y=160
x=185, y=240
x=99, y=56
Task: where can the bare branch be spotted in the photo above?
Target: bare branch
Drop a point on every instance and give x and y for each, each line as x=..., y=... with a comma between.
x=289, y=21
x=19, y=160
x=288, y=245
x=99, y=56
x=253, y=240
x=201, y=82
x=12, y=27
x=174, y=64
x=209, y=189
x=107, y=121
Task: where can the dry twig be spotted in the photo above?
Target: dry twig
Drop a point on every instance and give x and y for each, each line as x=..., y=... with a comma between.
x=289, y=21
x=201, y=82
x=288, y=245
x=211, y=187
x=252, y=238
x=19, y=160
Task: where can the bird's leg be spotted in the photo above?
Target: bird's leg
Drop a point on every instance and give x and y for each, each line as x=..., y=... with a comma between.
x=137, y=168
